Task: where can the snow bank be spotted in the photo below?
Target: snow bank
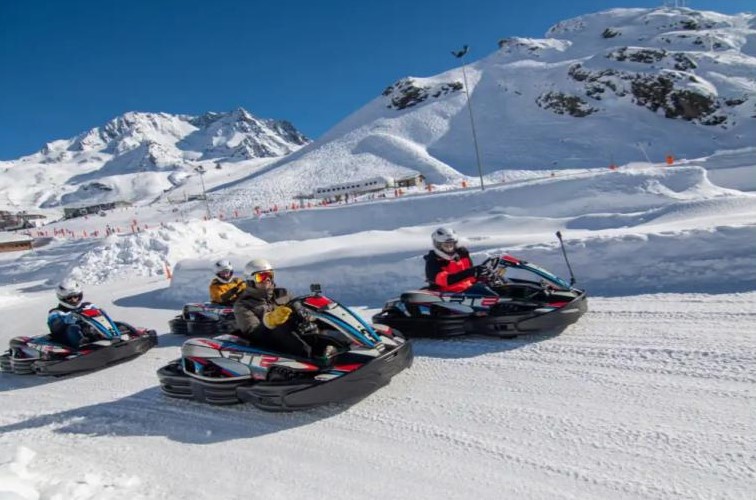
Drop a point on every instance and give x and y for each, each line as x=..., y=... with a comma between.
x=668, y=261
x=147, y=253
x=19, y=481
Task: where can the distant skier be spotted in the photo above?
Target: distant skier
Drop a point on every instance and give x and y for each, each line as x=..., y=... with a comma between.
x=66, y=327
x=225, y=288
x=448, y=267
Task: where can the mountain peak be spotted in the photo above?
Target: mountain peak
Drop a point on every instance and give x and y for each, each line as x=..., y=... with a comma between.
x=165, y=145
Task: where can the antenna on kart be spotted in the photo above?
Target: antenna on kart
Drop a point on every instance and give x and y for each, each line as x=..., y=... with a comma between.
x=564, y=252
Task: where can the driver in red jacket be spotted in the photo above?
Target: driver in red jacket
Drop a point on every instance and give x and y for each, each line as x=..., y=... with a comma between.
x=448, y=267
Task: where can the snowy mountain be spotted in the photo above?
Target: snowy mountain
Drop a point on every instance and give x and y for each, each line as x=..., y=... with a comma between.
x=137, y=156
x=607, y=88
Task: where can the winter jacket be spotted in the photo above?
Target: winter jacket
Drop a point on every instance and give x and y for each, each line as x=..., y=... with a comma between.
x=455, y=275
x=226, y=293
x=59, y=318
x=250, y=307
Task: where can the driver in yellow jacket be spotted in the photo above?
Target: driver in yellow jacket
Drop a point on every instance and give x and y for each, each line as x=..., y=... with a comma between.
x=225, y=288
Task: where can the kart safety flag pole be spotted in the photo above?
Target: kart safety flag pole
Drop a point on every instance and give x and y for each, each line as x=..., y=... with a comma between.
x=564, y=252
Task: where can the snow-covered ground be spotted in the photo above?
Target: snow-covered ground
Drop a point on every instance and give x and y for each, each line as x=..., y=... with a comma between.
x=650, y=395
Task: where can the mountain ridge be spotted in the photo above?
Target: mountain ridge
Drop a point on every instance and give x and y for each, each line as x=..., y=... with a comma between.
x=105, y=163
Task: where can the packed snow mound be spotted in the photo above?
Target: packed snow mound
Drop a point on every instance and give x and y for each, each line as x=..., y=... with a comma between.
x=153, y=251
x=19, y=481
x=682, y=261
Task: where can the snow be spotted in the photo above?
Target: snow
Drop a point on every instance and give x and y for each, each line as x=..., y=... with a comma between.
x=19, y=480
x=650, y=395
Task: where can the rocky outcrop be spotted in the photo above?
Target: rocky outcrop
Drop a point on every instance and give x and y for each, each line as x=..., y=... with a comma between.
x=565, y=104
x=406, y=93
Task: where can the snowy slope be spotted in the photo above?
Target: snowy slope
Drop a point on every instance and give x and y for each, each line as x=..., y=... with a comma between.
x=607, y=88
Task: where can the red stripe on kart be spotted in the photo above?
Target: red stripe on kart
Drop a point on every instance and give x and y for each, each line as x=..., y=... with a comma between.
x=348, y=368
x=266, y=361
x=511, y=259
x=209, y=343
x=318, y=302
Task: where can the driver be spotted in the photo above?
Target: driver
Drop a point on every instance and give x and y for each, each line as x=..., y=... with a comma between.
x=225, y=288
x=448, y=267
x=63, y=321
x=262, y=315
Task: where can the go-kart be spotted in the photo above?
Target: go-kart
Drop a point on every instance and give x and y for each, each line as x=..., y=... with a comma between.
x=533, y=300
x=108, y=342
x=203, y=319
x=228, y=369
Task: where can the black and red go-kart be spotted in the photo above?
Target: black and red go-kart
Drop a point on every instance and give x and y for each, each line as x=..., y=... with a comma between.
x=203, y=318
x=535, y=300
x=227, y=369
x=110, y=342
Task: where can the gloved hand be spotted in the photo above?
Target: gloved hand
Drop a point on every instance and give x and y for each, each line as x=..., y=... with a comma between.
x=482, y=272
x=307, y=327
x=487, y=270
x=276, y=317
x=88, y=335
x=69, y=319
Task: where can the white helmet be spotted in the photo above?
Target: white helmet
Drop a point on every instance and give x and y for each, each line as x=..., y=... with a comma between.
x=69, y=293
x=441, y=236
x=224, y=271
x=256, y=266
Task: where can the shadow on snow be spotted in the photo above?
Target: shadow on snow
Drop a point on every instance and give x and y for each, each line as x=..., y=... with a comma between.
x=149, y=413
x=468, y=346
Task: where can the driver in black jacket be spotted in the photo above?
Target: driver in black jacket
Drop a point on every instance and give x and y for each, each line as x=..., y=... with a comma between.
x=263, y=316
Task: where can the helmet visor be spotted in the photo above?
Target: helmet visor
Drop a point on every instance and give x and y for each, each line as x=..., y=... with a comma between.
x=73, y=300
x=448, y=246
x=225, y=274
x=263, y=276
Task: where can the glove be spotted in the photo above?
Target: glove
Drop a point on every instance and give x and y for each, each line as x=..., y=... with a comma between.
x=482, y=272
x=307, y=326
x=69, y=319
x=276, y=317
x=89, y=336
x=233, y=293
x=488, y=269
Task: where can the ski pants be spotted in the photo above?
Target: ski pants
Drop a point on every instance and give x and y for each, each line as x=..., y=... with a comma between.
x=71, y=336
x=281, y=339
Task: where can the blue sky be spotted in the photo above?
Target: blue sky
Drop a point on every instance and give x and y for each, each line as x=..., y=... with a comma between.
x=68, y=66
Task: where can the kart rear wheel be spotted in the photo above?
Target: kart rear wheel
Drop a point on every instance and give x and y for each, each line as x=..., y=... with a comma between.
x=178, y=326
